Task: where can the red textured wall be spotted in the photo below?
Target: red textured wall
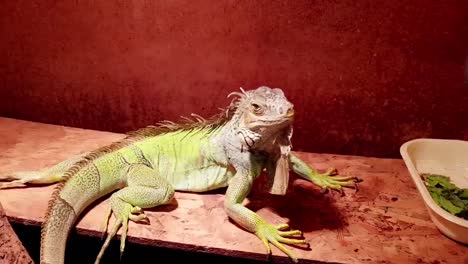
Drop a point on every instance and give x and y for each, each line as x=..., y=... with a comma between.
x=364, y=75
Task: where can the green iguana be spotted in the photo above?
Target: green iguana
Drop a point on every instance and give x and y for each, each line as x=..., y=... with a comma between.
x=145, y=168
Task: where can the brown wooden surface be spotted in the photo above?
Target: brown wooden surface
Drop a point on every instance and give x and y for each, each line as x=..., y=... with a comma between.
x=385, y=222
x=11, y=248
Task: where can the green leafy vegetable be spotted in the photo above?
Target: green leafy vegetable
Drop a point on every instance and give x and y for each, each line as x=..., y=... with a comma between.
x=447, y=195
x=464, y=194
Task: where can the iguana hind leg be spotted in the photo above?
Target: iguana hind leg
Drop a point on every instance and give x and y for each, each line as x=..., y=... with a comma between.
x=44, y=176
x=145, y=189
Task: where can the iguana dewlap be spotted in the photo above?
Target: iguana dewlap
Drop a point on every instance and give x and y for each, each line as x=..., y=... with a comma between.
x=144, y=169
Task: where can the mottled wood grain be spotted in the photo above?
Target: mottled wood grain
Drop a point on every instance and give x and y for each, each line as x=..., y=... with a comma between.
x=11, y=248
x=385, y=222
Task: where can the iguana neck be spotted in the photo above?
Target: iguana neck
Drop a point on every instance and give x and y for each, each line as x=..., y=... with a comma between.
x=235, y=137
x=227, y=136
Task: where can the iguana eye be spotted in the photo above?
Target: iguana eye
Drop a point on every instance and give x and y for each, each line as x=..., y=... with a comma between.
x=257, y=108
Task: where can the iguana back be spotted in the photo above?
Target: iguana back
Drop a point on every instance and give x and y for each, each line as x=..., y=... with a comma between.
x=187, y=159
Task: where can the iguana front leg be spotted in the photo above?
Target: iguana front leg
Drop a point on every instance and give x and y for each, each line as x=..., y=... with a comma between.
x=237, y=191
x=325, y=180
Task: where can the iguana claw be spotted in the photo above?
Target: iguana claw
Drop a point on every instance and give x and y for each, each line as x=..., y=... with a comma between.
x=327, y=181
x=274, y=234
x=126, y=213
x=331, y=172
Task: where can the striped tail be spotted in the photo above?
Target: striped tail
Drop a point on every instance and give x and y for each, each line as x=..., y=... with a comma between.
x=80, y=188
x=55, y=230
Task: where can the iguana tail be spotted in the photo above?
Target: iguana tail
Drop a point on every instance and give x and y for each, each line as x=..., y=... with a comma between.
x=44, y=176
x=20, y=179
x=83, y=184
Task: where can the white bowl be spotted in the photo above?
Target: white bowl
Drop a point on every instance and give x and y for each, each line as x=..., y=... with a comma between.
x=447, y=157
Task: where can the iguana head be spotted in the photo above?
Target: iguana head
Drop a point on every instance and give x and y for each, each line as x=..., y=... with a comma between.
x=264, y=119
x=265, y=111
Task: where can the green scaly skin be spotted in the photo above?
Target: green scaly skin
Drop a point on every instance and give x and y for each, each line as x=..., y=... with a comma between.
x=144, y=169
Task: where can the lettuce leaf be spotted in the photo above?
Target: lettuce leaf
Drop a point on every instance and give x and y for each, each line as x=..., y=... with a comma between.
x=447, y=195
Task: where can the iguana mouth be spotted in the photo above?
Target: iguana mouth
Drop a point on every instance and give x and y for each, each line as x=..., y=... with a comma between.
x=276, y=121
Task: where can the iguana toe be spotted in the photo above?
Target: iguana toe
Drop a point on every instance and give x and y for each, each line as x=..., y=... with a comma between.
x=106, y=222
x=139, y=218
x=336, y=183
x=290, y=233
x=123, y=212
x=282, y=226
x=136, y=210
x=116, y=227
x=331, y=172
